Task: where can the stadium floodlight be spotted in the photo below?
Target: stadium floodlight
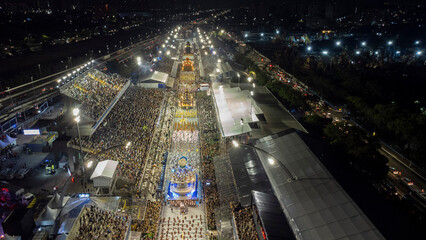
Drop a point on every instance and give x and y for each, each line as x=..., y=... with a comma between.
x=76, y=111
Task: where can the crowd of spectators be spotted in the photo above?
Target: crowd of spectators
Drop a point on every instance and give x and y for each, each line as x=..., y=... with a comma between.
x=165, y=66
x=244, y=222
x=148, y=226
x=209, y=148
x=95, y=223
x=95, y=90
x=127, y=131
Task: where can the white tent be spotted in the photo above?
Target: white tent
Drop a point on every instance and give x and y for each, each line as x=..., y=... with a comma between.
x=234, y=105
x=104, y=173
x=156, y=80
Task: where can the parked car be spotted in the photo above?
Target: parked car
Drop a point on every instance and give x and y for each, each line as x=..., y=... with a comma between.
x=22, y=173
x=7, y=174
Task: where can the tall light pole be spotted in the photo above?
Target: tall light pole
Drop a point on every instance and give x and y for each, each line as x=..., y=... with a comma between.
x=11, y=99
x=242, y=128
x=238, y=74
x=39, y=69
x=251, y=105
x=76, y=111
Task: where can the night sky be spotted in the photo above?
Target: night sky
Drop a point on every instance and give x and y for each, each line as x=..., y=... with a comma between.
x=139, y=5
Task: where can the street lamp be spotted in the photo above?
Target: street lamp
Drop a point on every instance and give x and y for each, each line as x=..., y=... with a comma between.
x=76, y=111
x=89, y=164
x=242, y=128
x=364, y=44
x=390, y=43
x=309, y=48
x=338, y=43
x=238, y=74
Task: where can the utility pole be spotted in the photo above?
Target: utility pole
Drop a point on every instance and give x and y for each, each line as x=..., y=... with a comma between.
x=39, y=69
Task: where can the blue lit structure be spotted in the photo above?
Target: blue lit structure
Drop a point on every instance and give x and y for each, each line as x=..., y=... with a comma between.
x=183, y=184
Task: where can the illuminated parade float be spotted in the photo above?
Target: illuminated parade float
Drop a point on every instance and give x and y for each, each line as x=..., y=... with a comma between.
x=183, y=181
x=183, y=170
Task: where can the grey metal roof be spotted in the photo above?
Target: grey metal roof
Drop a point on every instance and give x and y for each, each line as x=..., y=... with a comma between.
x=315, y=205
x=271, y=216
x=248, y=173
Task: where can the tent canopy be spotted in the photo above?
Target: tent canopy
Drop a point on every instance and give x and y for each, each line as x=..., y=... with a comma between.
x=105, y=169
x=156, y=77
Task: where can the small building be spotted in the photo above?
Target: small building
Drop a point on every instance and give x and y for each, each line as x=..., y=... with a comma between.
x=156, y=80
x=104, y=176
